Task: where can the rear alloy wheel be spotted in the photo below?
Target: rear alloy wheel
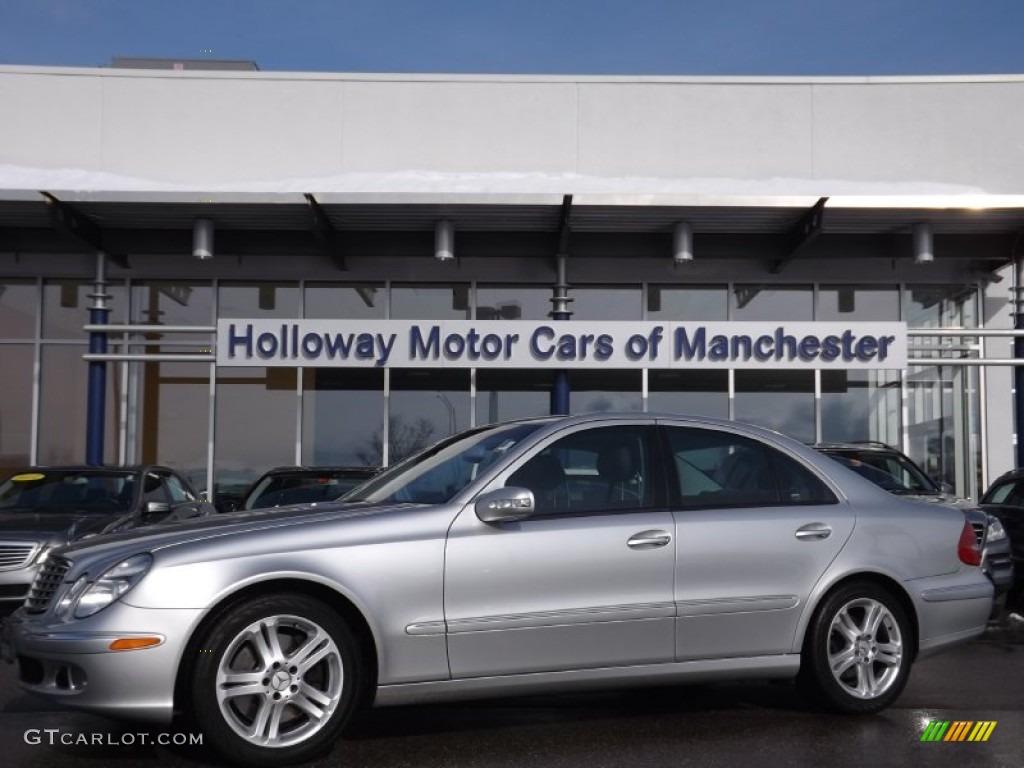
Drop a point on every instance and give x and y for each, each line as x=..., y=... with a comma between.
x=276, y=680
x=858, y=651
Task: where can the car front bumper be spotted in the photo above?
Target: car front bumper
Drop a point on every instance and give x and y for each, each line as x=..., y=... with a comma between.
x=71, y=662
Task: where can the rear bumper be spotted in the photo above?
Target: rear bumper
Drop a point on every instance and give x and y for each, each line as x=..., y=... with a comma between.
x=951, y=609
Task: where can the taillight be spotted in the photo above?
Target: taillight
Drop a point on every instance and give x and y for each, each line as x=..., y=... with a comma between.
x=968, y=549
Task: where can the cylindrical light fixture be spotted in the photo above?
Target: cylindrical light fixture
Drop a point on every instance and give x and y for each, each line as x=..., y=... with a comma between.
x=202, y=239
x=924, y=252
x=444, y=240
x=682, y=243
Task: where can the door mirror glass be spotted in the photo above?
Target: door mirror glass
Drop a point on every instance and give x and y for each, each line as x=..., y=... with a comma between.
x=154, y=509
x=505, y=504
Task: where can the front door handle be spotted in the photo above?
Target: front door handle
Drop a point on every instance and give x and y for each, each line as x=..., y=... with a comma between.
x=649, y=539
x=813, y=532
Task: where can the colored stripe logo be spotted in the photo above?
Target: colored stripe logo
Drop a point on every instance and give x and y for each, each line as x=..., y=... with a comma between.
x=958, y=730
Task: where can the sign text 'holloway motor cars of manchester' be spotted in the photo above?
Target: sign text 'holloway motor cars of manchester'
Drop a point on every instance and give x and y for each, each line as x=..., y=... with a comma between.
x=576, y=344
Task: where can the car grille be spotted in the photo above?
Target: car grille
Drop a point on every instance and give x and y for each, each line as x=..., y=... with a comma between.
x=16, y=554
x=49, y=578
x=979, y=533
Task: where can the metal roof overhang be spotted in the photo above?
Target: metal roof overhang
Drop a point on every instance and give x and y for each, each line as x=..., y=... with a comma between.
x=148, y=219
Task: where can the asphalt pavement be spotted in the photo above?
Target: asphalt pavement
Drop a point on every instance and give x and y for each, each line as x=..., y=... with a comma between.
x=755, y=724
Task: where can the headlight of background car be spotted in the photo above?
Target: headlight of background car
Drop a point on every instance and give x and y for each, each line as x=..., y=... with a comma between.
x=85, y=598
x=996, y=532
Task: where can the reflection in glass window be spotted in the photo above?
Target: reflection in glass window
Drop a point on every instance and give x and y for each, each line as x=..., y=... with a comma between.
x=506, y=394
x=425, y=406
x=606, y=302
x=255, y=425
x=18, y=302
x=858, y=302
x=780, y=400
x=430, y=302
x=860, y=405
x=513, y=302
x=942, y=306
x=16, y=363
x=690, y=302
x=269, y=299
x=356, y=301
x=693, y=392
x=173, y=406
x=342, y=417
x=66, y=307
x=174, y=302
x=605, y=391
x=773, y=302
x=62, y=413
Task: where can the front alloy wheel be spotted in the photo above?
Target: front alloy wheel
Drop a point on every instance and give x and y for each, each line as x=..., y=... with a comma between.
x=858, y=650
x=276, y=680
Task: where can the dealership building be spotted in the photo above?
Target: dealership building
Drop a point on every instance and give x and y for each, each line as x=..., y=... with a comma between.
x=225, y=270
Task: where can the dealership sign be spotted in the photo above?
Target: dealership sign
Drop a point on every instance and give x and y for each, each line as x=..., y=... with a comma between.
x=554, y=344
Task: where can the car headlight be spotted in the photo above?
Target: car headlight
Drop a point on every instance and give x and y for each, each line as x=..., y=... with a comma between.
x=86, y=598
x=996, y=532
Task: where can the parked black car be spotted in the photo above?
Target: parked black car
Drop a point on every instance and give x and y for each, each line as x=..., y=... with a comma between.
x=299, y=485
x=893, y=470
x=1005, y=500
x=42, y=508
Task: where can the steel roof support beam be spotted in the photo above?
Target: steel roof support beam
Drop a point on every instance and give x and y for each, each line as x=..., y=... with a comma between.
x=325, y=234
x=803, y=234
x=80, y=228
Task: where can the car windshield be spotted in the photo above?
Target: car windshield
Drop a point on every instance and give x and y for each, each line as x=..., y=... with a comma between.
x=438, y=474
x=300, y=488
x=891, y=471
x=98, y=491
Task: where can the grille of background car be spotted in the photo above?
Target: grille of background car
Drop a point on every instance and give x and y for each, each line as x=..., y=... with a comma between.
x=16, y=555
x=49, y=578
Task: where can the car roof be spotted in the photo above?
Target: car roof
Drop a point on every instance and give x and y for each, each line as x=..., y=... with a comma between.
x=869, y=446
x=320, y=470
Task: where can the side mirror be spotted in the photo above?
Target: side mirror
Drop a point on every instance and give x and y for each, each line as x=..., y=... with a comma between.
x=228, y=505
x=155, y=509
x=946, y=488
x=504, y=505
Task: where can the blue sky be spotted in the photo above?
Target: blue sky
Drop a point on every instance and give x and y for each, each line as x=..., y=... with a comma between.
x=684, y=37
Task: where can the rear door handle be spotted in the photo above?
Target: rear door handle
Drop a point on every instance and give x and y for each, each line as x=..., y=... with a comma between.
x=649, y=539
x=813, y=532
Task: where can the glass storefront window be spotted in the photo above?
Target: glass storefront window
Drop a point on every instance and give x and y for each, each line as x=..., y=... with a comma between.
x=605, y=391
x=691, y=302
x=173, y=416
x=512, y=394
x=174, y=302
x=19, y=300
x=430, y=302
x=858, y=302
x=62, y=410
x=255, y=425
x=773, y=302
x=860, y=405
x=942, y=306
x=606, y=302
x=269, y=299
x=16, y=362
x=779, y=400
x=425, y=406
x=356, y=301
x=66, y=307
x=342, y=416
x=513, y=302
x=693, y=392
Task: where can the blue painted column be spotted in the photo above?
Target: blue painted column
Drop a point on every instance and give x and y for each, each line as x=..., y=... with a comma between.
x=97, y=393
x=560, y=300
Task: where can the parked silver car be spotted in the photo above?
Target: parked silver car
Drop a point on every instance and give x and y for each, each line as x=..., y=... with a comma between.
x=539, y=555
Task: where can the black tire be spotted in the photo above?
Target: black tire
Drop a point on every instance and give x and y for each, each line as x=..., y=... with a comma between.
x=872, y=667
x=288, y=692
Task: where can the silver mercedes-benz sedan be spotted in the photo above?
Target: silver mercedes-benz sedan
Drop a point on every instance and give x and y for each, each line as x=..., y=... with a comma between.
x=538, y=555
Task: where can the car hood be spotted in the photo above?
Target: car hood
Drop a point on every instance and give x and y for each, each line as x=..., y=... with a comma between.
x=57, y=526
x=236, y=525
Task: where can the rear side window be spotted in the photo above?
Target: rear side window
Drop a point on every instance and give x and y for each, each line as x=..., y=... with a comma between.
x=720, y=469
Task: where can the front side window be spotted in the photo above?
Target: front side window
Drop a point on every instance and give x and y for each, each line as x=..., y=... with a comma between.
x=592, y=470
x=720, y=469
